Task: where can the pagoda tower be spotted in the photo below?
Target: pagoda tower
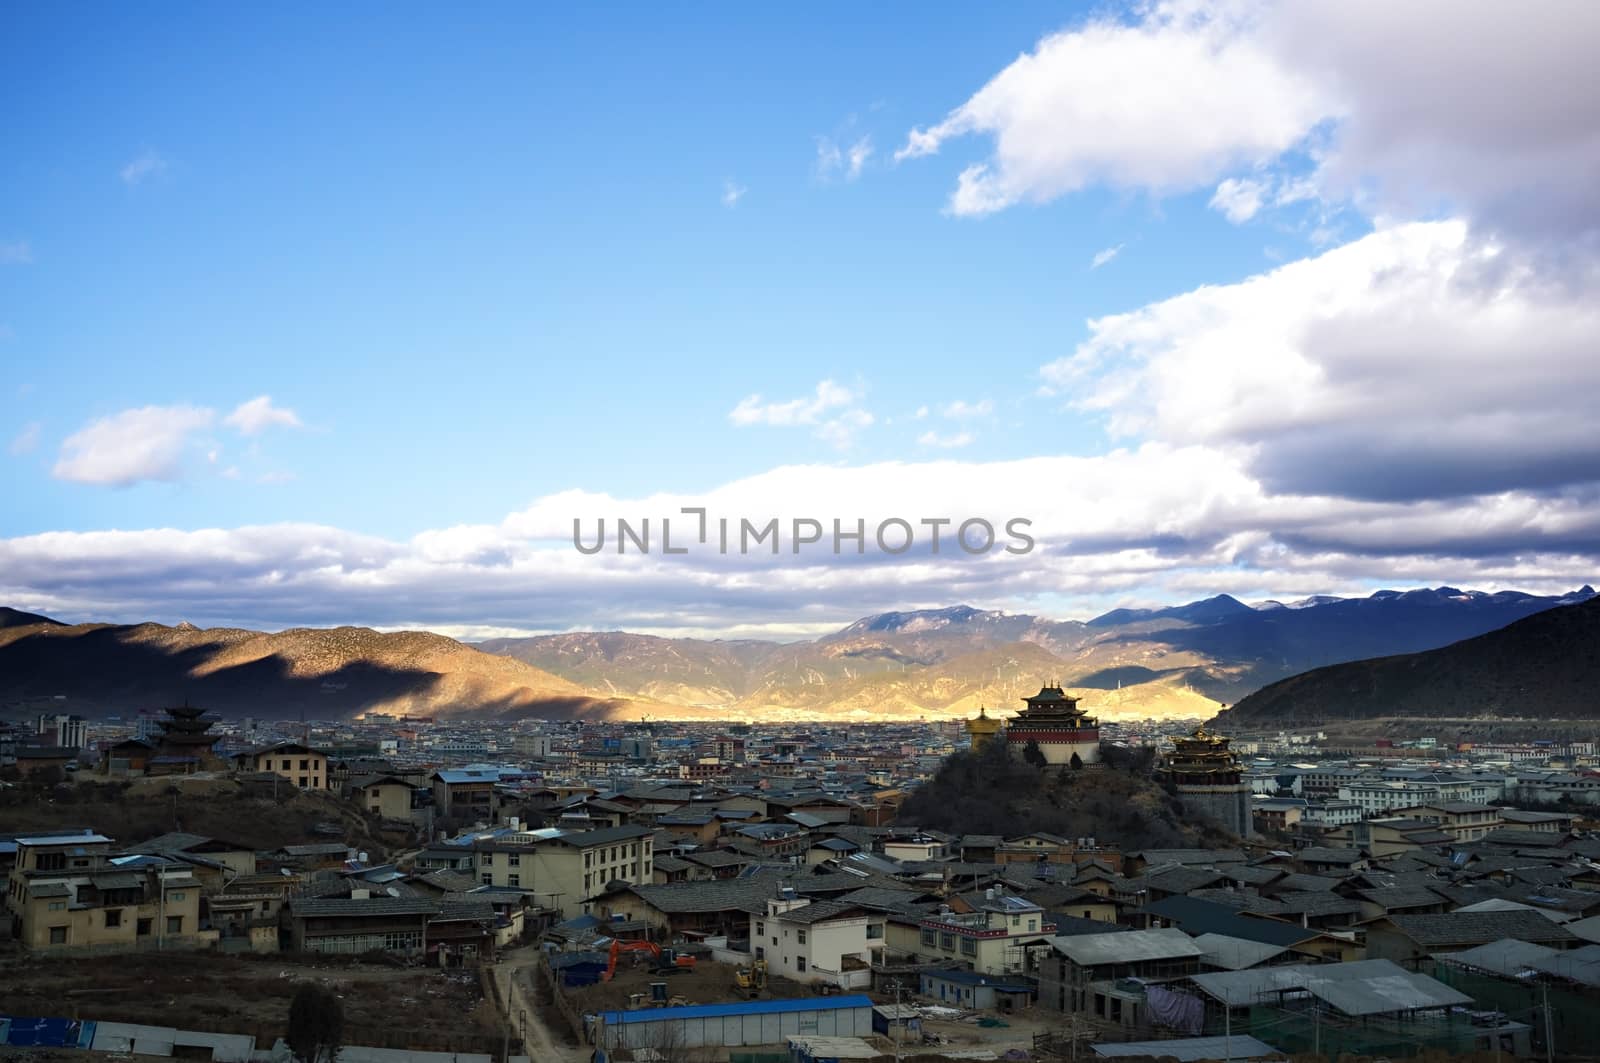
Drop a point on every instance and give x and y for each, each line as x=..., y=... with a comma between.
x=982, y=728
x=1208, y=777
x=185, y=733
x=1061, y=729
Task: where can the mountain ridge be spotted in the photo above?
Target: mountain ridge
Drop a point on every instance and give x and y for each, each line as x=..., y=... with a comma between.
x=1546, y=666
x=1186, y=660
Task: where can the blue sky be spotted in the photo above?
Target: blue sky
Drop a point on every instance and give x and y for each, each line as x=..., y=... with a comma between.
x=479, y=260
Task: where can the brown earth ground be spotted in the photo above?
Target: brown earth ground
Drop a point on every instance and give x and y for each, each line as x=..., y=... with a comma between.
x=215, y=806
x=384, y=1005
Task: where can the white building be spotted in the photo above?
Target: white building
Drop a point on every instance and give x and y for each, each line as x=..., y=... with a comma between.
x=820, y=942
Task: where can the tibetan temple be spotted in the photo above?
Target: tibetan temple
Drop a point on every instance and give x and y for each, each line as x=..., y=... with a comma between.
x=1062, y=730
x=982, y=729
x=1209, y=779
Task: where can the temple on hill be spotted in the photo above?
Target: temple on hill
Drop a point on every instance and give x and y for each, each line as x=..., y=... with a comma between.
x=1209, y=779
x=184, y=741
x=982, y=728
x=1061, y=729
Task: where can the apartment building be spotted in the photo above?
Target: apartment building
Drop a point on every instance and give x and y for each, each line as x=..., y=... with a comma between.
x=817, y=942
x=994, y=939
x=303, y=766
x=68, y=893
x=560, y=869
x=1462, y=820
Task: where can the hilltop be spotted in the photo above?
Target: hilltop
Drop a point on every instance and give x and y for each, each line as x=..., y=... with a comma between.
x=993, y=792
x=324, y=673
x=1546, y=666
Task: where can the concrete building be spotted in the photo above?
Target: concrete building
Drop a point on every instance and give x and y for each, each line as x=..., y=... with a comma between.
x=387, y=796
x=303, y=766
x=995, y=939
x=818, y=942
x=68, y=893
x=1088, y=974
x=970, y=989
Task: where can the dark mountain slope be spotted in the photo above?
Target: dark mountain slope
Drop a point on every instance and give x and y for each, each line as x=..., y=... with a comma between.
x=1545, y=666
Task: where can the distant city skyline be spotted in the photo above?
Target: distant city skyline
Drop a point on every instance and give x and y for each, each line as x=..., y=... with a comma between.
x=310, y=318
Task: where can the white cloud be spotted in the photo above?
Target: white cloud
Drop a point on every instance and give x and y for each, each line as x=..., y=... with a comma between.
x=1158, y=522
x=841, y=431
x=1101, y=105
x=27, y=440
x=829, y=395
x=857, y=157
x=732, y=192
x=15, y=253
x=1406, y=110
x=1413, y=363
x=1238, y=198
x=961, y=410
x=1104, y=256
x=125, y=448
x=946, y=442
x=258, y=414
x=832, y=410
x=145, y=165
x=836, y=160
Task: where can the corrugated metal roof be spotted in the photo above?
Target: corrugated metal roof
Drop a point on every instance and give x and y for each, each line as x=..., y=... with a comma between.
x=1363, y=987
x=1235, y=954
x=63, y=839
x=752, y=1007
x=1135, y=946
x=1191, y=1049
x=1508, y=957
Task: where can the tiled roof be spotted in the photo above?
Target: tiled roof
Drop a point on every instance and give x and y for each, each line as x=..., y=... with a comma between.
x=1478, y=928
x=374, y=907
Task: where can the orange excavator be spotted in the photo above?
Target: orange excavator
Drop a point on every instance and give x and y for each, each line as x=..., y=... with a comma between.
x=667, y=960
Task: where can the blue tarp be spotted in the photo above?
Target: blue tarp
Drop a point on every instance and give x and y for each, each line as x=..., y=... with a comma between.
x=25, y=1032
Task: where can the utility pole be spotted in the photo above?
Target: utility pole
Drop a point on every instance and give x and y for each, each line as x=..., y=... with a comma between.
x=899, y=1020
x=1549, y=1035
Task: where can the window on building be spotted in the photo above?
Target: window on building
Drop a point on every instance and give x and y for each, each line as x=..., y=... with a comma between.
x=969, y=946
x=800, y=963
x=302, y=782
x=145, y=928
x=58, y=935
x=176, y=898
x=58, y=906
x=947, y=941
x=174, y=924
x=113, y=918
x=288, y=764
x=488, y=879
x=800, y=936
x=305, y=765
x=761, y=930
x=514, y=859
x=874, y=931
x=50, y=861
x=514, y=881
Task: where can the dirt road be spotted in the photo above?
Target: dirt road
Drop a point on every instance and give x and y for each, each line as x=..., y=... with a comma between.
x=516, y=969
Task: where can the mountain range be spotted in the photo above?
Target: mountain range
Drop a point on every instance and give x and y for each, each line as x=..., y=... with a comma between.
x=1183, y=661
x=1543, y=667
